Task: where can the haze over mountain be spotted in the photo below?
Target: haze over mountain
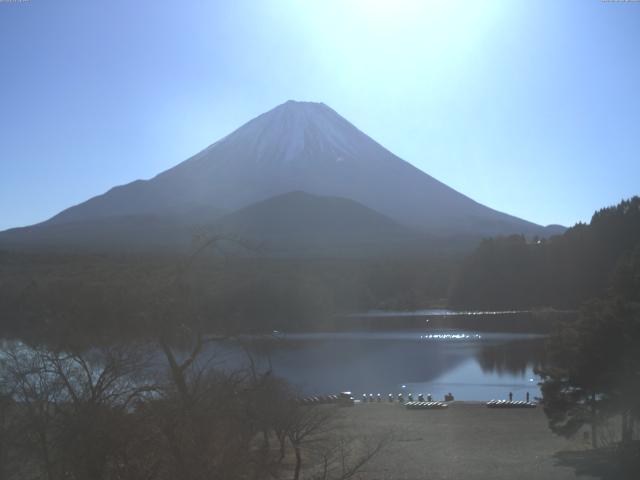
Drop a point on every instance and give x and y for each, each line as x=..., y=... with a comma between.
x=301, y=223
x=294, y=223
x=297, y=146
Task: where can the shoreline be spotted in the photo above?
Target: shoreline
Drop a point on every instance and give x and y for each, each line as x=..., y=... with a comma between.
x=467, y=440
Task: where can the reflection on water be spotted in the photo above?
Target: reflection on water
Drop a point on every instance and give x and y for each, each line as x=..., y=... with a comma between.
x=472, y=366
x=514, y=357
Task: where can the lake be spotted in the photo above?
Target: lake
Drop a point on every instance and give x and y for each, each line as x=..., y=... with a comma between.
x=410, y=352
x=473, y=365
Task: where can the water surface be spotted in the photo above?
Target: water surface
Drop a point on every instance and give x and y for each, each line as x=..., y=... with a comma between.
x=471, y=365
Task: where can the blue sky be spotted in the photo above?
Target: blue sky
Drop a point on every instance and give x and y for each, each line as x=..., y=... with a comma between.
x=530, y=107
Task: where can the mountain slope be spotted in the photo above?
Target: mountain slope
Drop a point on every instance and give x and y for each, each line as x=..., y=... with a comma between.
x=126, y=232
x=298, y=222
x=295, y=223
x=302, y=146
x=131, y=232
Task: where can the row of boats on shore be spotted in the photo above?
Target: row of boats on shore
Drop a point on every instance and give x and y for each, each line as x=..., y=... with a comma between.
x=510, y=404
x=347, y=399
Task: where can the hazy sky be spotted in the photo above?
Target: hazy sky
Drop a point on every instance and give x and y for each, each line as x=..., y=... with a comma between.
x=530, y=107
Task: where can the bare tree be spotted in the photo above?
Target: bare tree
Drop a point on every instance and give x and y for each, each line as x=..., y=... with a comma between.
x=73, y=409
x=106, y=413
x=345, y=457
x=332, y=455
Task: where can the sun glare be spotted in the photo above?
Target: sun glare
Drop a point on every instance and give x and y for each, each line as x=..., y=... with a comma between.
x=371, y=42
x=403, y=11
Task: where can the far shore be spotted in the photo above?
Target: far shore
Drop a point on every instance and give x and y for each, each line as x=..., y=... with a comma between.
x=541, y=321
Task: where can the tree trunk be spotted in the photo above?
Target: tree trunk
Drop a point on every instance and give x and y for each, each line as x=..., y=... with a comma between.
x=3, y=433
x=627, y=427
x=296, y=474
x=594, y=421
x=282, y=441
x=177, y=373
x=46, y=460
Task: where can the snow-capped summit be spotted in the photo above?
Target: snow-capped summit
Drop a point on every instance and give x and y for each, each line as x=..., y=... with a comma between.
x=295, y=130
x=308, y=147
x=286, y=132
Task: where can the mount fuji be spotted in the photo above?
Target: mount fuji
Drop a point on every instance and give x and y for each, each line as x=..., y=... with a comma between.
x=295, y=147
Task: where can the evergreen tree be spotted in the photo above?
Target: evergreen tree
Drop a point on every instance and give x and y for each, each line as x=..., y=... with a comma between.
x=594, y=369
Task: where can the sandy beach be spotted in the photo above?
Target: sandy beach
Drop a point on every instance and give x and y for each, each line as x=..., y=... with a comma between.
x=465, y=441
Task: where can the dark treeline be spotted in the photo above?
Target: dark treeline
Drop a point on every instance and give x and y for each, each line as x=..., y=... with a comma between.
x=102, y=296
x=562, y=272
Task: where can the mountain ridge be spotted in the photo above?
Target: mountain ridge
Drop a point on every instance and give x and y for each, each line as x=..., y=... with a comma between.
x=308, y=147
x=293, y=223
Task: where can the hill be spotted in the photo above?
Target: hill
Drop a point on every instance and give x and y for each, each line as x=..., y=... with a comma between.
x=299, y=223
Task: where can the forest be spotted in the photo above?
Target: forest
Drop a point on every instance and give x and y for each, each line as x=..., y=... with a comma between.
x=561, y=272
x=65, y=295
x=101, y=296
x=592, y=375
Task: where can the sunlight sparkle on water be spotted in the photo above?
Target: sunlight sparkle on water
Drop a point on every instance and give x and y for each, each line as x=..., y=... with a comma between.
x=450, y=336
